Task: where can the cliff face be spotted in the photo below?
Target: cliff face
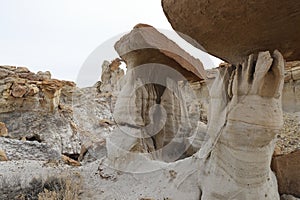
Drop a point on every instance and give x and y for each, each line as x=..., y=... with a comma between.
x=43, y=118
x=31, y=110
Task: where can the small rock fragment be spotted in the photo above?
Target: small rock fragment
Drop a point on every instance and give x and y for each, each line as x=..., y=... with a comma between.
x=3, y=130
x=70, y=161
x=3, y=156
x=18, y=90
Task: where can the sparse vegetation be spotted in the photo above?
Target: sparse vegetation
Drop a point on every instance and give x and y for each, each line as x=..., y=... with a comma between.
x=53, y=188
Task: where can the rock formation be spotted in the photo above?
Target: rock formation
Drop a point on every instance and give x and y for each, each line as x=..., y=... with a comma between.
x=111, y=74
x=30, y=108
x=167, y=129
x=240, y=149
x=235, y=161
x=93, y=121
x=286, y=168
x=233, y=29
x=151, y=104
x=42, y=118
x=144, y=39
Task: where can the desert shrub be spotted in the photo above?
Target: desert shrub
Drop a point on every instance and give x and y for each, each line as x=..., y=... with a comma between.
x=52, y=188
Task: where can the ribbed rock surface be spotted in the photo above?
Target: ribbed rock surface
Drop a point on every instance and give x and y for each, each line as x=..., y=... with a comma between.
x=234, y=29
x=152, y=100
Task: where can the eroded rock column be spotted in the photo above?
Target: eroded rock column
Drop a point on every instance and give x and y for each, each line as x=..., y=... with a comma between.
x=245, y=116
x=151, y=110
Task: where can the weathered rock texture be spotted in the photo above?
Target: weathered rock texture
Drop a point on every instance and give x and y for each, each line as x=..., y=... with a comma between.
x=286, y=168
x=111, y=75
x=183, y=179
x=152, y=100
x=146, y=45
x=31, y=110
x=239, y=151
x=234, y=29
x=28, y=150
x=289, y=137
x=234, y=162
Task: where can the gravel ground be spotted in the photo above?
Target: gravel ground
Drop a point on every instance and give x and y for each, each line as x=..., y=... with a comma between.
x=289, y=137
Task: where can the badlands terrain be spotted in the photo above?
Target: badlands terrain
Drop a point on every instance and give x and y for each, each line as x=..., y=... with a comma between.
x=167, y=128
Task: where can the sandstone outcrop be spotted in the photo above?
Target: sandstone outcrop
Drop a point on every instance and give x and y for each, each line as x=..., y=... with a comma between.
x=286, y=168
x=232, y=30
x=287, y=140
x=21, y=89
x=151, y=108
x=238, y=154
x=31, y=109
x=53, y=117
x=93, y=120
x=111, y=75
x=235, y=160
x=147, y=45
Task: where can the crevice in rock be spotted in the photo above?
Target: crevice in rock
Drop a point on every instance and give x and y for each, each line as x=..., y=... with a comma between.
x=34, y=138
x=74, y=156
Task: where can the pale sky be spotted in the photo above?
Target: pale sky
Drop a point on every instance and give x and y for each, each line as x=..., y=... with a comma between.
x=60, y=35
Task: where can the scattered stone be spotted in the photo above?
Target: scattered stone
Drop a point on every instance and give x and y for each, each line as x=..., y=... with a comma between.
x=69, y=161
x=106, y=122
x=18, y=91
x=3, y=130
x=3, y=156
x=288, y=140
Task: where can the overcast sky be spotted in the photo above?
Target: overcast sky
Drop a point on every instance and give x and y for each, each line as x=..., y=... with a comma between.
x=60, y=35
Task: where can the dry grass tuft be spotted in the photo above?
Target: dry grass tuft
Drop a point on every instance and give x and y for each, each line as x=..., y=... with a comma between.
x=53, y=188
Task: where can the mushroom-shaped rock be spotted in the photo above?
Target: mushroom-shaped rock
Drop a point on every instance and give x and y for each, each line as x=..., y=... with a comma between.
x=234, y=29
x=151, y=107
x=144, y=44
